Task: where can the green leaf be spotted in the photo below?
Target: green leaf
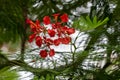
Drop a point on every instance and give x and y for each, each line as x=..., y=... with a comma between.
x=95, y=20
x=47, y=77
x=6, y=74
x=4, y=69
x=86, y=24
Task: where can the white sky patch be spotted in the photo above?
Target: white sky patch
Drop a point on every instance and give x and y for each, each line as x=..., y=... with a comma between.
x=25, y=75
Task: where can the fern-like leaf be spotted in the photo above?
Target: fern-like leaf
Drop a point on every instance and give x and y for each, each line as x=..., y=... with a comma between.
x=86, y=24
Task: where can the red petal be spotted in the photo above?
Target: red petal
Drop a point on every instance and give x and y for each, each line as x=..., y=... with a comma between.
x=37, y=24
x=51, y=33
x=43, y=53
x=31, y=37
x=33, y=27
x=66, y=40
x=57, y=42
x=64, y=18
x=70, y=31
x=38, y=41
x=52, y=52
x=46, y=20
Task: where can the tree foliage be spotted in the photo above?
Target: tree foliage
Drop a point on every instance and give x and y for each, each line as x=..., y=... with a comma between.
x=6, y=74
x=99, y=59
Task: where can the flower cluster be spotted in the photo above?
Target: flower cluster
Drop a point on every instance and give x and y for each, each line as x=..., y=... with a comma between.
x=57, y=34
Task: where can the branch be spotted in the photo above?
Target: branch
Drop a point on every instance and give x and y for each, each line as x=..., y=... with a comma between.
x=56, y=71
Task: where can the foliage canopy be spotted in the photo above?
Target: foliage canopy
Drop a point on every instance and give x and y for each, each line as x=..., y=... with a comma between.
x=99, y=57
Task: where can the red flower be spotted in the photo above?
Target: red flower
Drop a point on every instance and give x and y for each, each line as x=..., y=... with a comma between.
x=57, y=42
x=46, y=20
x=64, y=17
x=43, y=53
x=51, y=32
x=38, y=41
x=65, y=40
x=70, y=31
x=59, y=30
x=52, y=52
x=31, y=37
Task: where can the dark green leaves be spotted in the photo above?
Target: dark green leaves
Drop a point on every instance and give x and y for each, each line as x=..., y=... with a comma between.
x=6, y=74
x=11, y=21
x=85, y=24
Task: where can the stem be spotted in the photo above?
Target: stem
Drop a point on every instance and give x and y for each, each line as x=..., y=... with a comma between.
x=73, y=56
x=24, y=36
x=22, y=49
x=75, y=48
